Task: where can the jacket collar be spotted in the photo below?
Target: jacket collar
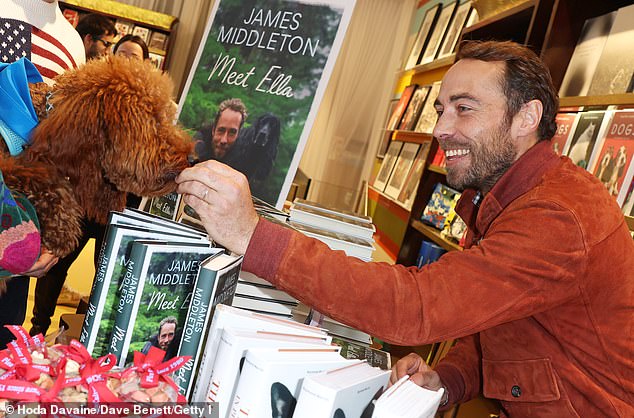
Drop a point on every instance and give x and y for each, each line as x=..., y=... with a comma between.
x=523, y=175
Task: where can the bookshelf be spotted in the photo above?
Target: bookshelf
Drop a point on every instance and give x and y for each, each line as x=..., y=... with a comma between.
x=159, y=27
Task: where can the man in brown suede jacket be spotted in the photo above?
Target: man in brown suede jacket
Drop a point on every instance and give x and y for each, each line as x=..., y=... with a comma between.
x=542, y=298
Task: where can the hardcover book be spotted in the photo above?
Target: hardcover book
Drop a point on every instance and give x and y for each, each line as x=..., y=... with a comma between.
x=414, y=108
x=424, y=32
x=355, y=350
x=271, y=379
x=142, y=32
x=158, y=41
x=232, y=351
x=216, y=284
x=442, y=200
x=455, y=28
x=332, y=222
x=166, y=206
x=585, y=134
x=401, y=106
x=404, y=162
x=72, y=16
x=616, y=65
x=124, y=27
x=349, y=391
x=114, y=257
x=428, y=115
x=263, y=292
x=438, y=35
x=565, y=124
x=229, y=317
x=586, y=55
x=264, y=306
x=352, y=246
x=158, y=61
x=158, y=286
x=616, y=153
x=405, y=399
x=299, y=203
x=408, y=193
x=387, y=165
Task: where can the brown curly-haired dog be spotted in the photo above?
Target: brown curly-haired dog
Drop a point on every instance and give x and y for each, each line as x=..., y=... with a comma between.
x=110, y=132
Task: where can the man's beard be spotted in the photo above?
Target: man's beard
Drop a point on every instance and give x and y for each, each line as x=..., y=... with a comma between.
x=490, y=159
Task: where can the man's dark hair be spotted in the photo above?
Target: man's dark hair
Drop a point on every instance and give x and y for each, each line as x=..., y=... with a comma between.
x=525, y=78
x=95, y=25
x=137, y=40
x=234, y=104
x=167, y=320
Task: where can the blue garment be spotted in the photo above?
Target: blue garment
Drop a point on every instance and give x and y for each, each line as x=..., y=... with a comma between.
x=17, y=114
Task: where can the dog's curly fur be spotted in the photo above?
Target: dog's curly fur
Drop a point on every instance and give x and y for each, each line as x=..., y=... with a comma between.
x=111, y=131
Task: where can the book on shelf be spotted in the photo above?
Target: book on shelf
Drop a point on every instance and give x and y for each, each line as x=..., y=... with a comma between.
x=614, y=72
x=616, y=153
x=72, y=16
x=332, y=221
x=401, y=106
x=405, y=399
x=232, y=351
x=454, y=229
x=628, y=201
x=408, y=122
x=440, y=28
x=123, y=27
x=158, y=284
x=428, y=115
x=565, y=124
x=157, y=60
x=355, y=350
x=442, y=200
x=349, y=391
x=215, y=284
x=586, y=55
x=389, y=160
x=352, y=246
x=408, y=192
x=158, y=41
x=458, y=22
x=396, y=182
x=271, y=379
x=422, y=36
x=428, y=253
x=439, y=158
x=587, y=133
x=230, y=317
x=142, y=32
x=110, y=274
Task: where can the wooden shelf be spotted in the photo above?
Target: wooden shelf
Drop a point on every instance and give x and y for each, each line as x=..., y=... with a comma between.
x=114, y=9
x=411, y=136
x=511, y=24
x=434, y=235
x=434, y=65
x=606, y=100
x=437, y=169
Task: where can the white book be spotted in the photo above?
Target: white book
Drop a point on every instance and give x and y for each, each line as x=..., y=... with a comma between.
x=228, y=316
x=352, y=246
x=350, y=390
x=332, y=222
x=270, y=306
x=271, y=379
x=232, y=350
x=299, y=203
x=405, y=399
x=260, y=292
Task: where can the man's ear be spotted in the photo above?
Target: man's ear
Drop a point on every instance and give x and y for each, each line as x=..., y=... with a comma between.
x=526, y=121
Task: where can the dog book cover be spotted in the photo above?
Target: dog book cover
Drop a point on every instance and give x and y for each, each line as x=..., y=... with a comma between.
x=275, y=58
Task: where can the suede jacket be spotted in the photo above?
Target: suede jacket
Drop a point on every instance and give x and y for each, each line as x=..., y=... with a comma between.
x=542, y=299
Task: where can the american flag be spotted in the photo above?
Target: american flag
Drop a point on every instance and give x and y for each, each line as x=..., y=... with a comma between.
x=19, y=39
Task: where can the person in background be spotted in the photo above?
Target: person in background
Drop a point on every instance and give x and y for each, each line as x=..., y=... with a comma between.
x=98, y=34
x=133, y=47
x=40, y=33
x=216, y=140
x=540, y=299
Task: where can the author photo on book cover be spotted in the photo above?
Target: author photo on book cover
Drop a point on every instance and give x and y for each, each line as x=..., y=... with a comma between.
x=540, y=302
x=167, y=330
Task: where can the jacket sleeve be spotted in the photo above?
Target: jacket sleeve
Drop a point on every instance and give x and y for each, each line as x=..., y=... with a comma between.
x=519, y=268
x=460, y=370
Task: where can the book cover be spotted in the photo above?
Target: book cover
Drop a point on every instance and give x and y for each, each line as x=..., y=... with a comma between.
x=215, y=284
x=586, y=55
x=333, y=222
x=387, y=165
x=166, y=206
x=271, y=378
x=229, y=317
x=405, y=399
x=404, y=162
x=398, y=112
x=232, y=351
x=422, y=36
x=428, y=115
x=270, y=306
x=299, y=203
x=110, y=274
x=156, y=290
x=155, y=222
x=349, y=391
x=142, y=32
x=584, y=137
x=261, y=292
x=442, y=200
x=458, y=22
x=355, y=350
x=276, y=57
x=565, y=125
x=158, y=61
x=408, y=193
x=616, y=153
x=616, y=65
x=438, y=34
x=158, y=41
x=413, y=109
x=124, y=27
x=336, y=328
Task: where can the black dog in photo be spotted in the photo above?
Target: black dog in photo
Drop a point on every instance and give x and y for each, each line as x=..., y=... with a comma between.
x=282, y=401
x=255, y=149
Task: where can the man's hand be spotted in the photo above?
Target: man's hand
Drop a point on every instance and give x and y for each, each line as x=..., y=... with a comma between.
x=419, y=372
x=43, y=264
x=221, y=196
